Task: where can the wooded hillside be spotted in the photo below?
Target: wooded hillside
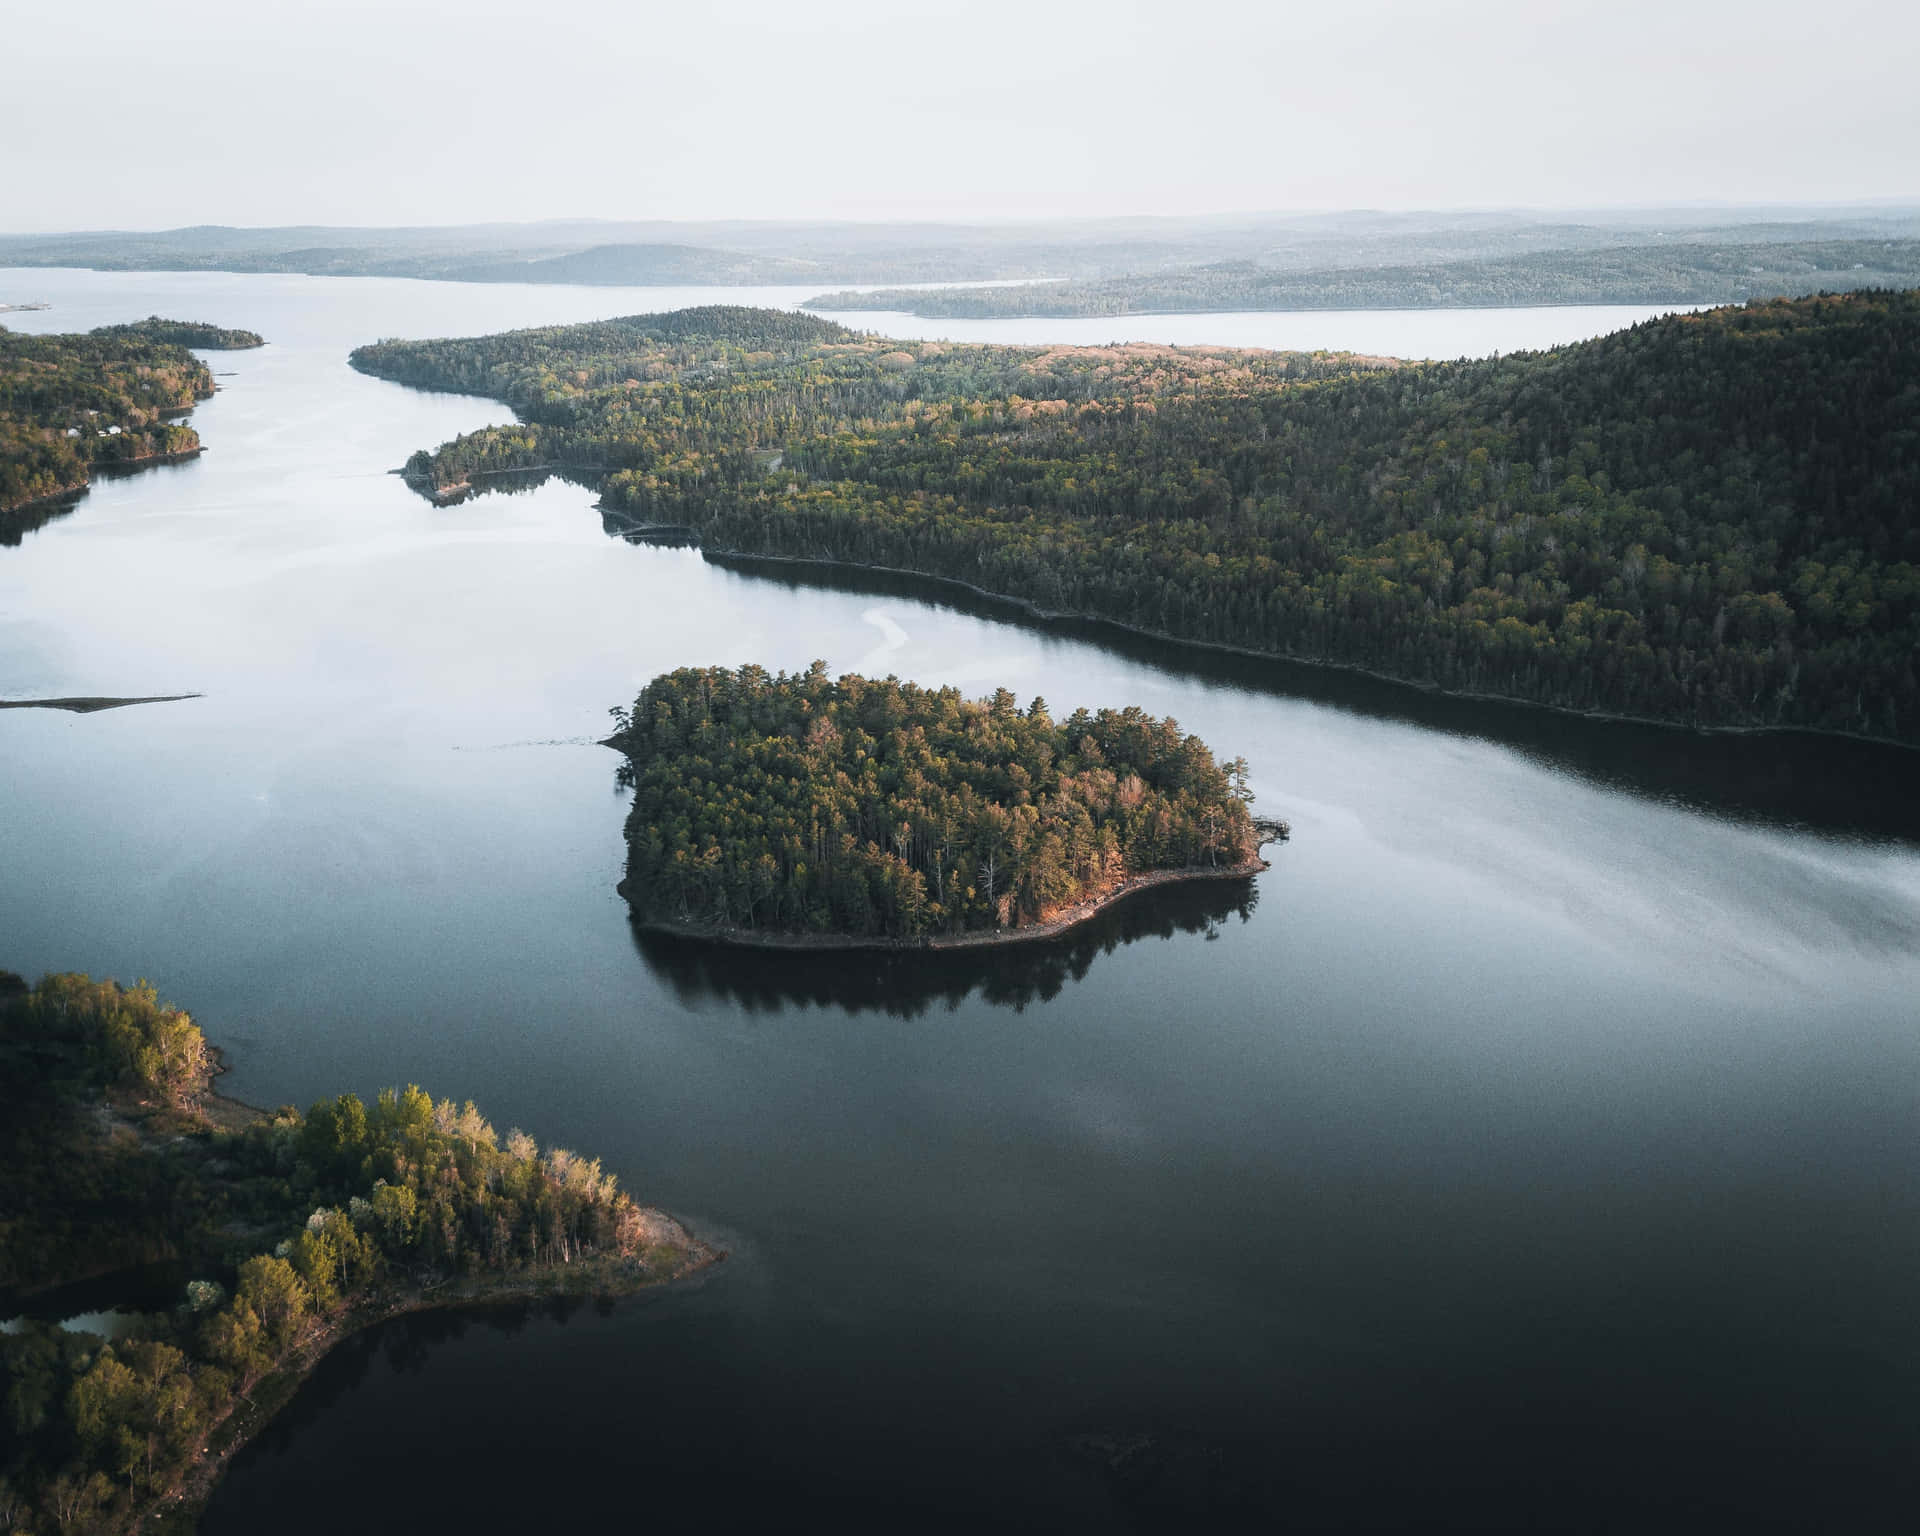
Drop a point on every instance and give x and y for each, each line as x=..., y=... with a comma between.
x=1708, y=518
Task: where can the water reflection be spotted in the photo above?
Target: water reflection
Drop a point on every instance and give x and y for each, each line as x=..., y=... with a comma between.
x=406, y=1344
x=137, y=1288
x=1800, y=780
x=909, y=983
x=21, y=521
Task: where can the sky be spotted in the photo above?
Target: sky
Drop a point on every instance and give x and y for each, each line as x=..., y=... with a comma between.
x=135, y=115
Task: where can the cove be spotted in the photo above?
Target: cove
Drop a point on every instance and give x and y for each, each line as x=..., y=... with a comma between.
x=1529, y=1146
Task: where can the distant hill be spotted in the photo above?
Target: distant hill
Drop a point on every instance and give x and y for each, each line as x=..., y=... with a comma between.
x=1678, y=272
x=641, y=265
x=839, y=253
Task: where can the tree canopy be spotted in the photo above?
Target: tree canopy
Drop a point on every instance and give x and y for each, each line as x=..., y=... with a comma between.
x=70, y=404
x=1708, y=518
x=293, y=1224
x=795, y=802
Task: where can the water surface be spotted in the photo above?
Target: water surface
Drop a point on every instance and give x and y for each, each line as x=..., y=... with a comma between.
x=1533, y=1144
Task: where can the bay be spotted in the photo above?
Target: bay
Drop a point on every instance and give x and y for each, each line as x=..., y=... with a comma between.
x=1533, y=1144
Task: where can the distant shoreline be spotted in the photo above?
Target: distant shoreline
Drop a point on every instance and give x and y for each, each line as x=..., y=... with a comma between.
x=1263, y=309
x=1067, y=918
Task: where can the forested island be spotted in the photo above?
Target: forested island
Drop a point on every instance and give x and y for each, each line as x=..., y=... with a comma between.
x=289, y=1231
x=794, y=805
x=183, y=333
x=1707, y=519
x=74, y=404
x=1670, y=273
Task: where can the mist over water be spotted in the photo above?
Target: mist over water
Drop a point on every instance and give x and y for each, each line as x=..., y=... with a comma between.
x=1532, y=1144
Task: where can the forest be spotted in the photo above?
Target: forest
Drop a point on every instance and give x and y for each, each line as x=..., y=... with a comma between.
x=799, y=803
x=73, y=404
x=1670, y=273
x=293, y=1228
x=184, y=333
x=1706, y=519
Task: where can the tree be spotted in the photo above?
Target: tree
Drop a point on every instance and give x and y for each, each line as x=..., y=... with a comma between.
x=271, y=1287
x=236, y=1338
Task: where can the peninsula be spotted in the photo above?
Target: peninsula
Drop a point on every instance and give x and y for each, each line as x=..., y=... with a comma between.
x=71, y=405
x=1708, y=519
x=795, y=809
x=289, y=1233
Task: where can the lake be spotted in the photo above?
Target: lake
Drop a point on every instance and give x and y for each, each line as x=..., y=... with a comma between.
x=1532, y=1145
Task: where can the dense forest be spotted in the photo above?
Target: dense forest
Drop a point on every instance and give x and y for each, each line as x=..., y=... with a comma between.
x=1670, y=273
x=796, y=803
x=1707, y=518
x=295, y=1229
x=704, y=400
x=73, y=404
x=184, y=333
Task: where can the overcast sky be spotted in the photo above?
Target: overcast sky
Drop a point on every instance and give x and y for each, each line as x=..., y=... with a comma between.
x=140, y=115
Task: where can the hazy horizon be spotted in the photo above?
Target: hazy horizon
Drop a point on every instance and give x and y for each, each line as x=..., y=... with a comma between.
x=380, y=116
x=1120, y=217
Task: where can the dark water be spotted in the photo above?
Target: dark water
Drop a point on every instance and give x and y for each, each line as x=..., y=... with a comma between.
x=1533, y=1145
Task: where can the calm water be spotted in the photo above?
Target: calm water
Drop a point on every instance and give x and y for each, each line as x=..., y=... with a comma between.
x=1533, y=1144
x=1388, y=332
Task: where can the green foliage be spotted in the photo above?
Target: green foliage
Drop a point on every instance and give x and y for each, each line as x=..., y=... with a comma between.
x=72, y=404
x=1707, y=518
x=799, y=803
x=302, y=1218
x=140, y=1410
x=183, y=333
x=104, y=1035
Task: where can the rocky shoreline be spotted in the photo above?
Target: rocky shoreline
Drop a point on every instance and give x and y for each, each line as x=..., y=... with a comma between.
x=1049, y=927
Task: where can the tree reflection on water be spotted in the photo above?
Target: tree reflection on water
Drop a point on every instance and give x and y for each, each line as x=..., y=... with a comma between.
x=911, y=982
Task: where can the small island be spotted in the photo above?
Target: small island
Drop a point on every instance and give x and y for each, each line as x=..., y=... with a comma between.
x=288, y=1232
x=71, y=405
x=795, y=809
x=184, y=333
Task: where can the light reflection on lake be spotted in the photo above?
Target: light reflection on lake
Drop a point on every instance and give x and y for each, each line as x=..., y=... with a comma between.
x=1534, y=1138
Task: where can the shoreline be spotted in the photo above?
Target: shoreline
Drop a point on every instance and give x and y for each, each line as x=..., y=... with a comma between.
x=1047, y=618
x=179, y=1508
x=111, y=471
x=460, y=490
x=147, y=460
x=1296, y=309
x=68, y=493
x=1051, y=927
x=665, y=1253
